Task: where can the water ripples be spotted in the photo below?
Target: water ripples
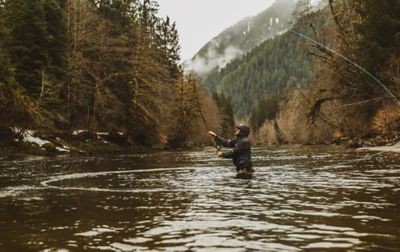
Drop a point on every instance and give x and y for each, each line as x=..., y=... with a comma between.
x=298, y=200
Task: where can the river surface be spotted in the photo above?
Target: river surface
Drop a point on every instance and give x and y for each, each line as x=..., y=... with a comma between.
x=300, y=199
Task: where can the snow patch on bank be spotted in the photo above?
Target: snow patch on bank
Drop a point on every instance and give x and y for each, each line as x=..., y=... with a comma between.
x=77, y=132
x=98, y=134
x=28, y=137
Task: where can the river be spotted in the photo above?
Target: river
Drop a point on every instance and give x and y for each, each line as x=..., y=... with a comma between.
x=300, y=199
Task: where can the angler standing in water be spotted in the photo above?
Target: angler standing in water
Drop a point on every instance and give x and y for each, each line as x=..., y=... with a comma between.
x=241, y=153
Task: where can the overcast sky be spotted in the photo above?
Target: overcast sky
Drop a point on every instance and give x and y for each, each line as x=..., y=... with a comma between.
x=198, y=21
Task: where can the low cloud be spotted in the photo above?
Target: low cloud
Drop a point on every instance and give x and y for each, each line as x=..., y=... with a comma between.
x=212, y=59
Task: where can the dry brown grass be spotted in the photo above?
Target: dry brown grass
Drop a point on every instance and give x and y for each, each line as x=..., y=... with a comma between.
x=387, y=118
x=268, y=134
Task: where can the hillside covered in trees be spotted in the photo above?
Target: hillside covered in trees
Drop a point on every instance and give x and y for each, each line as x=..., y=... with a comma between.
x=332, y=77
x=97, y=66
x=267, y=68
x=76, y=69
x=354, y=95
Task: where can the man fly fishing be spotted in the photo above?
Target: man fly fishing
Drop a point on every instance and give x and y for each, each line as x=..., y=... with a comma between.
x=241, y=152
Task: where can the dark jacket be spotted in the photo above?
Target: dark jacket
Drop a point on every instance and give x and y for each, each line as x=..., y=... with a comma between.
x=241, y=153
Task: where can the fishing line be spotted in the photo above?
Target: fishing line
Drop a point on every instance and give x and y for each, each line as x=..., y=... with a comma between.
x=204, y=121
x=370, y=156
x=48, y=183
x=348, y=60
x=364, y=71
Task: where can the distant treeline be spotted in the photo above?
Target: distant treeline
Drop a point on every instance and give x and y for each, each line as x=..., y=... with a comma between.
x=98, y=65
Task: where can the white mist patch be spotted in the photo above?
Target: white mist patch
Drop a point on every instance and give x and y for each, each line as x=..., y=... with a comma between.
x=281, y=32
x=213, y=59
x=314, y=3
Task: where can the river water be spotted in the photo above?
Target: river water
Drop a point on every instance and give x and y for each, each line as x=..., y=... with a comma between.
x=300, y=199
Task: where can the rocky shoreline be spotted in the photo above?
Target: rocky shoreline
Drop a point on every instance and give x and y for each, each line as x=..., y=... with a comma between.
x=68, y=143
x=89, y=143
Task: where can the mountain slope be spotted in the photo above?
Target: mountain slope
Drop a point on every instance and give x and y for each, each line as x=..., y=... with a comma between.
x=267, y=68
x=243, y=36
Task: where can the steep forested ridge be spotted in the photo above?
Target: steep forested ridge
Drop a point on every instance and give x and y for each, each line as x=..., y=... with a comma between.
x=267, y=68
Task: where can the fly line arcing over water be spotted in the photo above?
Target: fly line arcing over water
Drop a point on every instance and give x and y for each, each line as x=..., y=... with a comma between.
x=390, y=93
x=49, y=182
x=349, y=61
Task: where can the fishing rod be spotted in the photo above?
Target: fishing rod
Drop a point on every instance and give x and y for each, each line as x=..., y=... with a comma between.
x=205, y=122
x=349, y=61
x=301, y=35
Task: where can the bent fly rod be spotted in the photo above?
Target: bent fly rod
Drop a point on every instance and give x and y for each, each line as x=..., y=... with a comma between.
x=204, y=120
x=362, y=69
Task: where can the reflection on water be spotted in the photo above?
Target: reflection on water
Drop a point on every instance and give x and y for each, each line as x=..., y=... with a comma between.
x=300, y=199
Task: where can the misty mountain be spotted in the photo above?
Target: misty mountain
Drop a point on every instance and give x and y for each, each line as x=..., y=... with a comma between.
x=243, y=36
x=269, y=67
x=249, y=33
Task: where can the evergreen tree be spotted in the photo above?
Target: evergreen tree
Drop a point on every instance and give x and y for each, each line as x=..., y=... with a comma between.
x=55, y=16
x=266, y=109
x=38, y=43
x=227, y=117
x=4, y=56
x=122, y=13
x=169, y=44
x=29, y=42
x=16, y=109
x=379, y=30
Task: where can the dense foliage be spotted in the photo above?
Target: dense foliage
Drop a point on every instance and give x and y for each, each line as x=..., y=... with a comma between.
x=97, y=65
x=4, y=55
x=355, y=91
x=267, y=108
x=379, y=31
x=227, y=116
x=368, y=35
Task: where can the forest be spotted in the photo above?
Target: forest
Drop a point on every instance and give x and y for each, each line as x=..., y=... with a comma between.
x=332, y=78
x=88, y=66
x=90, y=74
x=264, y=70
x=354, y=97
x=103, y=130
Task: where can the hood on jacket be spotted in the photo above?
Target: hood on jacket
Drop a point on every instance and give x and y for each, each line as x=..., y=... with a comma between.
x=244, y=130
